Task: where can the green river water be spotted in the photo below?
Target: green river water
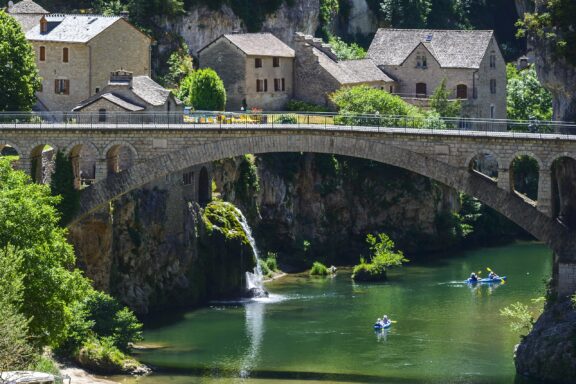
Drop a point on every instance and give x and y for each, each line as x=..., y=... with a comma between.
x=320, y=329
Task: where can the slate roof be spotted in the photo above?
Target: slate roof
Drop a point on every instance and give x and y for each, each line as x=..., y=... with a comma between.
x=143, y=87
x=27, y=7
x=72, y=28
x=351, y=71
x=451, y=48
x=258, y=44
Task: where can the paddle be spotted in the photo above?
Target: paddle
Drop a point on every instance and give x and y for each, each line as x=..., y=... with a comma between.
x=501, y=280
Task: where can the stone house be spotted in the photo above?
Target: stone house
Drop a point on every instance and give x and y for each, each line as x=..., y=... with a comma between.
x=318, y=72
x=76, y=53
x=27, y=12
x=126, y=93
x=469, y=61
x=257, y=69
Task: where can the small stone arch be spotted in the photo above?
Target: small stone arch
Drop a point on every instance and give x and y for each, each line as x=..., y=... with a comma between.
x=120, y=156
x=511, y=159
x=556, y=156
x=84, y=156
x=42, y=162
x=563, y=190
x=525, y=175
x=204, y=187
x=5, y=144
x=490, y=170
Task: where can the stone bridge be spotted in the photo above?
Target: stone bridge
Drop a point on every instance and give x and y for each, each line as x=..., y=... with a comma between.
x=127, y=157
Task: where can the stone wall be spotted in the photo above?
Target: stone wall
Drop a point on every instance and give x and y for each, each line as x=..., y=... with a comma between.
x=270, y=100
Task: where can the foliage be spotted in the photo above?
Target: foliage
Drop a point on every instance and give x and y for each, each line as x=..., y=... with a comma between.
x=383, y=256
x=271, y=261
x=328, y=11
x=521, y=316
x=553, y=23
x=346, y=51
x=526, y=98
x=16, y=351
x=222, y=217
x=204, y=90
x=286, y=119
x=525, y=171
x=47, y=364
x=319, y=269
x=405, y=13
x=248, y=183
x=302, y=106
x=180, y=65
x=442, y=105
x=103, y=356
x=19, y=78
x=62, y=184
x=29, y=221
x=109, y=7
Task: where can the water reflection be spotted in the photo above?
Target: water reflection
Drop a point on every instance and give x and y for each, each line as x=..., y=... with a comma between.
x=255, y=311
x=381, y=335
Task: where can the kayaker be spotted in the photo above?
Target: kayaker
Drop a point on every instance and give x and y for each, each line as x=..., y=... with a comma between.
x=473, y=278
x=385, y=320
x=379, y=322
x=493, y=276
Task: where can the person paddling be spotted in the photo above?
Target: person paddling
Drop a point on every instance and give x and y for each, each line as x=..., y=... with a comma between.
x=473, y=278
x=385, y=320
x=493, y=275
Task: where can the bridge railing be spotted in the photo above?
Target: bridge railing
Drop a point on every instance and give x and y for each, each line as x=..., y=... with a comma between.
x=301, y=120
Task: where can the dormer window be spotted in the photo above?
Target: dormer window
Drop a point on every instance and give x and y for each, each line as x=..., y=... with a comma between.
x=43, y=26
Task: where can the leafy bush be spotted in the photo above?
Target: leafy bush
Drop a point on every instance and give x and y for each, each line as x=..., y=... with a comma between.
x=526, y=98
x=102, y=356
x=442, y=105
x=271, y=262
x=62, y=184
x=383, y=256
x=302, y=106
x=522, y=316
x=319, y=269
x=204, y=90
x=346, y=51
x=286, y=119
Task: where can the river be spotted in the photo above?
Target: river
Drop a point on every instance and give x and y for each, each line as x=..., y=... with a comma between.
x=320, y=329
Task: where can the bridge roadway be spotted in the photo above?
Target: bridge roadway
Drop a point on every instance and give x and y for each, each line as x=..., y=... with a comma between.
x=443, y=155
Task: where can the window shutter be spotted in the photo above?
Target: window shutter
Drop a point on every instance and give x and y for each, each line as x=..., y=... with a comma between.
x=66, y=87
x=56, y=86
x=265, y=85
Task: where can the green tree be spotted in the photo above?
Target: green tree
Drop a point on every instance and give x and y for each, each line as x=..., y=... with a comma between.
x=346, y=51
x=406, y=13
x=204, y=90
x=383, y=255
x=18, y=73
x=62, y=184
x=526, y=98
x=180, y=65
x=440, y=102
x=29, y=222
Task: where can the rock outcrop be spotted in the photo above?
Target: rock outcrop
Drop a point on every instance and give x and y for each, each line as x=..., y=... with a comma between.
x=548, y=353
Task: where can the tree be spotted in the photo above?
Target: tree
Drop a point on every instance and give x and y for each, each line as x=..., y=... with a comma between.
x=29, y=222
x=19, y=78
x=204, y=90
x=383, y=256
x=346, y=51
x=442, y=105
x=526, y=99
x=62, y=184
x=405, y=13
x=180, y=65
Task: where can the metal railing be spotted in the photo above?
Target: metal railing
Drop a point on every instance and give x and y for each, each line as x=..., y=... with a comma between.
x=287, y=120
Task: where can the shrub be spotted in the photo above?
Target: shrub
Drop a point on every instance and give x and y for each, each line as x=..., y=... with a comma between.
x=204, y=90
x=383, y=256
x=346, y=51
x=522, y=317
x=318, y=269
x=271, y=262
x=102, y=356
x=286, y=119
x=62, y=184
x=302, y=106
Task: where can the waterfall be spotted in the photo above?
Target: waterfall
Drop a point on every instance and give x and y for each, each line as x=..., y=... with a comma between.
x=254, y=280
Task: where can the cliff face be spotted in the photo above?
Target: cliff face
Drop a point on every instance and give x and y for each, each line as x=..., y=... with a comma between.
x=154, y=249
x=320, y=206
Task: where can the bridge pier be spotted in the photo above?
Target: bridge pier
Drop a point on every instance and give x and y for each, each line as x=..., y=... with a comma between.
x=505, y=179
x=565, y=277
x=101, y=169
x=544, y=203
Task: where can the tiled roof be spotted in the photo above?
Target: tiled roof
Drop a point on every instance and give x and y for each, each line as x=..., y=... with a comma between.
x=114, y=99
x=27, y=6
x=351, y=71
x=72, y=28
x=451, y=48
x=260, y=44
x=150, y=91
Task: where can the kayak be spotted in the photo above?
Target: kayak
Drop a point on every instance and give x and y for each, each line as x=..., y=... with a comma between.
x=487, y=280
x=383, y=326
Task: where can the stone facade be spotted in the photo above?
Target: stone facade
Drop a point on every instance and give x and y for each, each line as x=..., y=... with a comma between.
x=75, y=67
x=27, y=12
x=420, y=67
x=264, y=86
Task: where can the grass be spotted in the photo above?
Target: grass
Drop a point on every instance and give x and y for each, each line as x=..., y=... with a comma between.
x=319, y=269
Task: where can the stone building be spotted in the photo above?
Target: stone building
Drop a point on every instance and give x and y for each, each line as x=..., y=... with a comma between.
x=27, y=12
x=470, y=62
x=257, y=69
x=132, y=94
x=76, y=53
x=318, y=72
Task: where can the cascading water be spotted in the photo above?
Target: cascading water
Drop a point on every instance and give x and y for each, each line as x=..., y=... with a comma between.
x=254, y=280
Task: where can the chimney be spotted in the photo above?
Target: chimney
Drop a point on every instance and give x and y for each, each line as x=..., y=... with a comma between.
x=121, y=77
x=125, y=15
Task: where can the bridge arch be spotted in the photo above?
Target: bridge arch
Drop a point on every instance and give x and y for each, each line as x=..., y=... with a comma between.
x=4, y=144
x=556, y=156
x=509, y=161
x=511, y=206
x=120, y=156
x=84, y=156
x=469, y=164
x=42, y=161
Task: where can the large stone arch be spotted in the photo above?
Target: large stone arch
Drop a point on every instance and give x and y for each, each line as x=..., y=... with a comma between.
x=558, y=237
x=508, y=162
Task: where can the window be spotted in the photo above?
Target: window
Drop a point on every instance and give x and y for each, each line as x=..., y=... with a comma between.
x=43, y=26
x=283, y=84
x=188, y=178
x=276, y=85
x=391, y=89
x=62, y=87
x=101, y=115
x=65, y=55
x=492, y=111
x=418, y=61
x=421, y=61
x=492, y=60
x=42, y=53
x=424, y=63
x=257, y=63
x=276, y=62
x=97, y=90
x=265, y=85
x=262, y=85
x=420, y=89
x=461, y=91
x=492, y=86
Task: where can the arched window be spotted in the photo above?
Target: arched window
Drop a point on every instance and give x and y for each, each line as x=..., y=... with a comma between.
x=420, y=89
x=461, y=91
